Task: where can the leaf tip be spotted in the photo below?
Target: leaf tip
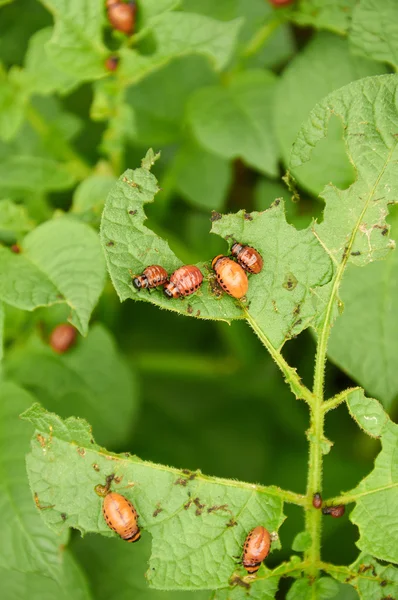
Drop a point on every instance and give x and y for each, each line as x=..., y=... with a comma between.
x=149, y=159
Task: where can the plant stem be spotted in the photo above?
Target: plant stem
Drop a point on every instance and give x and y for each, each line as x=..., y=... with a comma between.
x=260, y=37
x=60, y=147
x=296, y=385
x=338, y=399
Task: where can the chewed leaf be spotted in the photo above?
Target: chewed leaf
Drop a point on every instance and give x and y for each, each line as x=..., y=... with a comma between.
x=376, y=496
x=280, y=298
x=354, y=225
x=198, y=524
x=370, y=578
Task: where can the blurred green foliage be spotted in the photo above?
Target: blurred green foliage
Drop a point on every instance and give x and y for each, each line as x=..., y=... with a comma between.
x=222, y=94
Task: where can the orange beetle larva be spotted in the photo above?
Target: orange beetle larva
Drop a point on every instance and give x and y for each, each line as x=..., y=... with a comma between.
x=151, y=277
x=248, y=258
x=230, y=276
x=121, y=516
x=121, y=15
x=63, y=337
x=256, y=549
x=183, y=282
x=334, y=511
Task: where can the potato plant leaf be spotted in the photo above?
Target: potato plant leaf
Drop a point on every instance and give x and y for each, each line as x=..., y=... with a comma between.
x=376, y=496
x=76, y=46
x=30, y=557
x=324, y=14
x=235, y=120
x=370, y=578
x=198, y=523
x=374, y=32
x=303, y=589
x=61, y=261
x=280, y=299
x=354, y=227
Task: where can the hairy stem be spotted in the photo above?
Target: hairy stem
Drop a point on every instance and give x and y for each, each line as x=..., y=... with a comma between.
x=291, y=377
x=338, y=399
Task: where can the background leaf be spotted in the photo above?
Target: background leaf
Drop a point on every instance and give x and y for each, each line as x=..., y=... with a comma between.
x=374, y=33
x=324, y=65
x=192, y=546
x=22, y=174
x=30, y=557
x=371, y=579
x=236, y=120
x=324, y=14
x=61, y=261
x=81, y=380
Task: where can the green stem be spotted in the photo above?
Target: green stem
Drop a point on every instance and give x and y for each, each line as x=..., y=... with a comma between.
x=260, y=37
x=60, y=147
x=192, y=365
x=296, y=385
x=338, y=399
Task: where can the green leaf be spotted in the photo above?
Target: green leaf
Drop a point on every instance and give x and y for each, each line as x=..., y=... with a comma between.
x=81, y=380
x=22, y=174
x=354, y=227
x=158, y=118
x=364, y=340
x=108, y=564
x=371, y=579
x=13, y=98
x=374, y=32
x=13, y=218
x=302, y=541
x=45, y=77
x=305, y=589
x=325, y=65
x=76, y=46
x=178, y=34
x=376, y=496
x=262, y=588
x=194, y=536
x=1, y=336
x=334, y=15
x=200, y=177
x=61, y=261
x=89, y=196
x=236, y=120
x=295, y=263
x=30, y=555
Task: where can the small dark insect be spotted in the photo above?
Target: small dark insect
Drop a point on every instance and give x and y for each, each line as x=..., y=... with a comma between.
x=256, y=549
x=230, y=276
x=121, y=15
x=334, y=511
x=184, y=282
x=248, y=258
x=121, y=516
x=151, y=277
x=62, y=338
x=317, y=500
x=112, y=63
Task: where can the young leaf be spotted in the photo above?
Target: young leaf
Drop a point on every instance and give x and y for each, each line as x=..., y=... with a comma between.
x=280, y=299
x=354, y=227
x=89, y=196
x=29, y=553
x=372, y=580
x=374, y=32
x=324, y=65
x=61, y=261
x=81, y=380
x=236, y=120
x=324, y=14
x=179, y=34
x=376, y=496
x=197, y=523
x=76, y=46
x=12, y=103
